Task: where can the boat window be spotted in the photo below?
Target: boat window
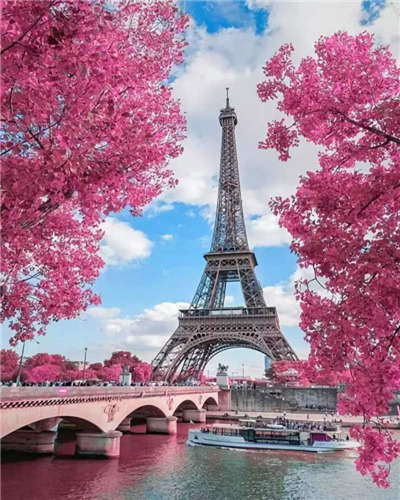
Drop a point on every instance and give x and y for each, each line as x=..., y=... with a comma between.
x=248, y=423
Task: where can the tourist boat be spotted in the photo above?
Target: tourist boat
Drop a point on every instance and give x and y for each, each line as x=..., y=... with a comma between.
x=247, y=435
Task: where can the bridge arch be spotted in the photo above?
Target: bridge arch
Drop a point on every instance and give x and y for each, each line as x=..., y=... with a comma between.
x=144, y=411
x=50, y=422
x=187, y=404
x=209, y=401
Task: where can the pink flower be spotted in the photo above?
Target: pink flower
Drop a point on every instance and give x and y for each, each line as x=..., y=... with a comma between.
x=345, y=221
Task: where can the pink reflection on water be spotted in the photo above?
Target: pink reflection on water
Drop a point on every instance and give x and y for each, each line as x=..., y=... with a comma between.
x=153, y=461
x=64, y=476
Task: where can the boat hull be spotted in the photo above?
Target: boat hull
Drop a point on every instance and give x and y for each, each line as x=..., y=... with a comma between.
x=209, y=439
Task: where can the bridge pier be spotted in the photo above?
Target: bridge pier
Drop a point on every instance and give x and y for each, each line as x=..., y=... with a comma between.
x=225, y=399
x=194, y=415
x=163, y=425
x=30, y=441
x=105, y=444
x=125, y=425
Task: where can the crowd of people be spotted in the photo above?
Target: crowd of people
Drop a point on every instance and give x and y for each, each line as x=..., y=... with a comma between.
x=90, y=383
x=303, y=426
x=86, y=383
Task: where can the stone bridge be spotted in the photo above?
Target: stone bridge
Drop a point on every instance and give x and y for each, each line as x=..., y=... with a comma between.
x=31, y=415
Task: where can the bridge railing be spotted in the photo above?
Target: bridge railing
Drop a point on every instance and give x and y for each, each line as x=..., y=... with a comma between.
x=16, y=393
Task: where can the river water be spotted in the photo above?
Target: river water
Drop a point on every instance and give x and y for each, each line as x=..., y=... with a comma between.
x=156, y=467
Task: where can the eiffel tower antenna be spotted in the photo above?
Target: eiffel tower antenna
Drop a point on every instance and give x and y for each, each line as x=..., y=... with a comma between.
x=208, y=327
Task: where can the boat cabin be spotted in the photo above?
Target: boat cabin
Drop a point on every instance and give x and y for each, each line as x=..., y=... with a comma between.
x=273, y=434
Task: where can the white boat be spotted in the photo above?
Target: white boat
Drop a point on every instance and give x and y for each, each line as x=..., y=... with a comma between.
x=247, y=435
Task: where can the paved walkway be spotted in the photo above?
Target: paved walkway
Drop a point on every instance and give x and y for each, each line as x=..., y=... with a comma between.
x=344, y=420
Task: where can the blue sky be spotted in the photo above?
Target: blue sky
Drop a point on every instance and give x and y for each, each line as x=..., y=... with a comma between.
x=154, y=262
x=222, y=15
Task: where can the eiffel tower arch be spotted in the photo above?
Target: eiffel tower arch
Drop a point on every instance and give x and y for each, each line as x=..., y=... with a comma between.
x=207, y=327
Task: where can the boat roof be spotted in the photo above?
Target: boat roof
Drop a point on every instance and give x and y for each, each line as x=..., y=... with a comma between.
x=236, y=426
x=274, y=429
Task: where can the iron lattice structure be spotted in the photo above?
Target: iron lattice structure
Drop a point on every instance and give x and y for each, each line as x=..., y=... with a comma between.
x=207, y=327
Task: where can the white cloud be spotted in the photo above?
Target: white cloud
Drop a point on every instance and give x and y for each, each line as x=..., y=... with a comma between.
x=103, y=312
x=122, y=244
x=264, y=232
x=283, y=298
x=235, y=57
x=229, y=299
x=167, y=237
x=146, y=332
x=157, y=206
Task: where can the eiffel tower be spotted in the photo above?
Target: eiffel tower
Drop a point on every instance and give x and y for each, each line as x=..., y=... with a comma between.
x=207, y=327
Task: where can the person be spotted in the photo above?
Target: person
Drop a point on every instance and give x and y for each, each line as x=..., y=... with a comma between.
x=308, y=416
x=347, y=438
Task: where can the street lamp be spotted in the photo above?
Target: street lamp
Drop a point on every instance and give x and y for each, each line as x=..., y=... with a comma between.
x=84, y=365
x=243, y=370
x=20, y=363
x=21, y=360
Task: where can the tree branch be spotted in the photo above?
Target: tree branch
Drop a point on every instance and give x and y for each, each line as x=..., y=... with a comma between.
x=374, y=199
x=374, y=130
x=23, y=34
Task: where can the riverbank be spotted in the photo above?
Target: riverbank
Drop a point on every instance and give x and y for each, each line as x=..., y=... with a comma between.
x=301, y=416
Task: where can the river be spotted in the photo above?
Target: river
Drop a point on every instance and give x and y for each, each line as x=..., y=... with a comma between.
x=156, y=467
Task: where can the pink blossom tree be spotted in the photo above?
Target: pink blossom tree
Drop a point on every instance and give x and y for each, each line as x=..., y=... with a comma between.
x=96, y=366
x=142, y=372
x=42, y=373
x=8, y=364
x=110, y=373
x=43, y=358
x=70, y=375
x=123, y=358
x=344, y=219
x=293, y=373
x=89, y=126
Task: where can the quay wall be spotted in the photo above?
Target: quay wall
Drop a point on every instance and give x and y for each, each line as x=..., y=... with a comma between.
x=394, y=405
x=283, y=398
